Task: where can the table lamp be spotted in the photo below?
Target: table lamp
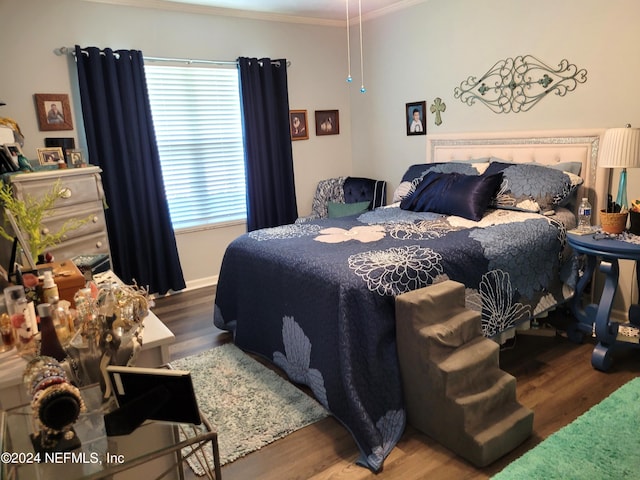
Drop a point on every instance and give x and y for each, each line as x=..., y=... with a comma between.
x=621, y=149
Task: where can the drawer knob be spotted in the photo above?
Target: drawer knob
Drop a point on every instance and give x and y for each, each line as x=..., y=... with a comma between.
x=45, y=231
x=65, y=192
x=98, y=244
x=95, y=219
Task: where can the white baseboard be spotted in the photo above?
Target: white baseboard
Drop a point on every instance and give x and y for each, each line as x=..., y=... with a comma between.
x=193, y=285
x=202, y=282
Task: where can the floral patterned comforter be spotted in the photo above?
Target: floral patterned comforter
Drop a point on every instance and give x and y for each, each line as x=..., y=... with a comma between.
x=317, y=298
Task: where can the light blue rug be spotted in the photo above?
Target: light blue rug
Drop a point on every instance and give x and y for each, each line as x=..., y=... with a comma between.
x=601, y=444
x=247, y=403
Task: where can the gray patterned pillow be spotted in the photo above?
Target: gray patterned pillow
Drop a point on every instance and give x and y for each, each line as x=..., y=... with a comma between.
x=533, y=188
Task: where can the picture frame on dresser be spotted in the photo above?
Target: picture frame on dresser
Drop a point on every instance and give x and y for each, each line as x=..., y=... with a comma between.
x=7, y=162
x=76, y=158
x=54, y=111
x=50, y=155
x=13, y=149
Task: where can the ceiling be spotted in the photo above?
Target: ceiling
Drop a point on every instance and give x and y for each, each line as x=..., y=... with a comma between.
x=315, y=9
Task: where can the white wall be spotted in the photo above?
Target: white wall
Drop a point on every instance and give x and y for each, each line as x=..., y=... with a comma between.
x=426, y=51
x=32, y=29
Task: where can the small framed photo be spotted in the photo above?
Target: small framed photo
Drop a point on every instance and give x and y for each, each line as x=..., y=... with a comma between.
x=298, y=125
x=50, y=155
x=327, y=122
x=76, y=159
x=13, y=150
x=54, y=111
x=414, y=114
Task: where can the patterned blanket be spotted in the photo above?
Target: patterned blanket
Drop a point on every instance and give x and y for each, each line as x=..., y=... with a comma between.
x=317, y=298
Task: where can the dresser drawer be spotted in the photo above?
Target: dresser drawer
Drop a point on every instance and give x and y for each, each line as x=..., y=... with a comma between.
x=75, y=189
x=92, y=211
x=87, y=245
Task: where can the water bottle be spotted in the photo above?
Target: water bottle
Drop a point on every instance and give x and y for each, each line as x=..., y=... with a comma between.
x=584, y=216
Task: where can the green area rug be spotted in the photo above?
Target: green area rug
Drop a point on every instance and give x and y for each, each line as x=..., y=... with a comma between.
x=248, y=404
x=603, y=443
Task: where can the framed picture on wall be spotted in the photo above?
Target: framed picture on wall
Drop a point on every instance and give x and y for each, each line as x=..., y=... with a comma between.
x=327, y=122
x=50, y=155
x=54, y=111
x=414, y=118
x=298, y=125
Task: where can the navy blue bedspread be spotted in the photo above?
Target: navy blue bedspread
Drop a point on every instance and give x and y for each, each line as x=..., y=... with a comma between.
x=317, y=298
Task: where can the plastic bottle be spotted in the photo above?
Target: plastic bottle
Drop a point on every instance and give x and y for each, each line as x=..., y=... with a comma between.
x=584, y=215
x=49, y=288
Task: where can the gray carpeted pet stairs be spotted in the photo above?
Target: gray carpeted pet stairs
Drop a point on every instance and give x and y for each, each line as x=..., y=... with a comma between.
x=454, y=389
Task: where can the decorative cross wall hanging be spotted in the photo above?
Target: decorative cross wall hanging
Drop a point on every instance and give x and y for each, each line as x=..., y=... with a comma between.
x=437, y=107
x=517, y=84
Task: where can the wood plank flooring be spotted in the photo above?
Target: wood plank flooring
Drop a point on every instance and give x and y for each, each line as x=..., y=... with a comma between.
x=554, y=376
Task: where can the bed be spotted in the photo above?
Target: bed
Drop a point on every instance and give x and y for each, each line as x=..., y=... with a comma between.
x=317, y=298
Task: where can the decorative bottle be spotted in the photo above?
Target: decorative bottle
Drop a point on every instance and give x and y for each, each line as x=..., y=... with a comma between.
x=49, y=343
x=584, y=215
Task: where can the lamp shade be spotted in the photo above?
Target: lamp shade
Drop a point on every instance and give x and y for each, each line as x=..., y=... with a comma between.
x=620, y=148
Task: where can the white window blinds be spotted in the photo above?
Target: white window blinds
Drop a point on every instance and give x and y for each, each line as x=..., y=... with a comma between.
x=196, y=115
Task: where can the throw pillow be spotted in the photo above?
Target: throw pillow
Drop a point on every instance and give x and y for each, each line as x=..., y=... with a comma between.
x=466, y=196
x=337, y=210
x=533, y=188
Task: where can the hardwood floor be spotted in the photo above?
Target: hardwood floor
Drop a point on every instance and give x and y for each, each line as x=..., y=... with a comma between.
x=555, y=379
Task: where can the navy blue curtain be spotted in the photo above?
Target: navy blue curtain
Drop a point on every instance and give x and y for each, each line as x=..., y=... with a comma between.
x=121, y=140
x=271, y=195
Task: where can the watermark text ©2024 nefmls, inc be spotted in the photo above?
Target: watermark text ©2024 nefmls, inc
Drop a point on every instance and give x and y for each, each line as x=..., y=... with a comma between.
x=61, y=457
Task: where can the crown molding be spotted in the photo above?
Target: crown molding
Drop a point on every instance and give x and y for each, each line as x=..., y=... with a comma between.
x=169, y=5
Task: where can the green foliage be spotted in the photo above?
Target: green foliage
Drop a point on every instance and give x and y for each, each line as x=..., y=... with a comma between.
x=28, y=215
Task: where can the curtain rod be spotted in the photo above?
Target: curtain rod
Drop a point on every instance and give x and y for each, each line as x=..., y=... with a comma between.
x=71, y=51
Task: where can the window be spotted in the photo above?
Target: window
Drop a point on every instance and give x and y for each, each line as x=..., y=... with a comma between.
x=196, y=115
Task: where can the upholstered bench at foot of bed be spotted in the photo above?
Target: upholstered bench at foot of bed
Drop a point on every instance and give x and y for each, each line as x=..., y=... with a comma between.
x=454, y=389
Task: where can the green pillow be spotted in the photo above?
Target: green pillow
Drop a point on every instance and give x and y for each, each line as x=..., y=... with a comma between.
x=336, y=210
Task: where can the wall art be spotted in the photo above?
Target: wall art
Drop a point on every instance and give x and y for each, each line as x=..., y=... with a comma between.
x=414, y=118
x=54, y=111
x=517, y=84
x=298, y=125
x=327, y=122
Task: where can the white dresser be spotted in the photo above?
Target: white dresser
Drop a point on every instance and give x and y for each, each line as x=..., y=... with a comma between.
x=83, y=197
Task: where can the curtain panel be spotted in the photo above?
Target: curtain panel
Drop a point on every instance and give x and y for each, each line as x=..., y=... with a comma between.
x=271, y=196
x=121, y=141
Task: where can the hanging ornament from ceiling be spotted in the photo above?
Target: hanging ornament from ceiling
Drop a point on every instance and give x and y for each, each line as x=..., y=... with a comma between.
x=349, y=77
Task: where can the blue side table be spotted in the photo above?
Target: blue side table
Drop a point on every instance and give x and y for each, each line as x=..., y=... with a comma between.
x=595, y=319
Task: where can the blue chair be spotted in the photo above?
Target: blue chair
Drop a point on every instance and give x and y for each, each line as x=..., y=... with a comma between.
x=346, y=190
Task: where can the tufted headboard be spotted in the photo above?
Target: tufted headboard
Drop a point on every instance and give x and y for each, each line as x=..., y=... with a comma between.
x=546, y=147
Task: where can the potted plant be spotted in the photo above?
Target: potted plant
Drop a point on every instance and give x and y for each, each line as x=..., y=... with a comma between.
x=28, y=215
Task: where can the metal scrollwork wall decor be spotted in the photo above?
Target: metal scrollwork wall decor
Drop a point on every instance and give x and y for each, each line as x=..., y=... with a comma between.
x=517, y=84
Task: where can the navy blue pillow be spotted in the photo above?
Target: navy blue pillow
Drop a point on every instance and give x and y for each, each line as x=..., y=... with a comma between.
x=466, y=196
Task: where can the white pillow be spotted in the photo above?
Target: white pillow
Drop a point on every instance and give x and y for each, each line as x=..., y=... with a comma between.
x=404, y=190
